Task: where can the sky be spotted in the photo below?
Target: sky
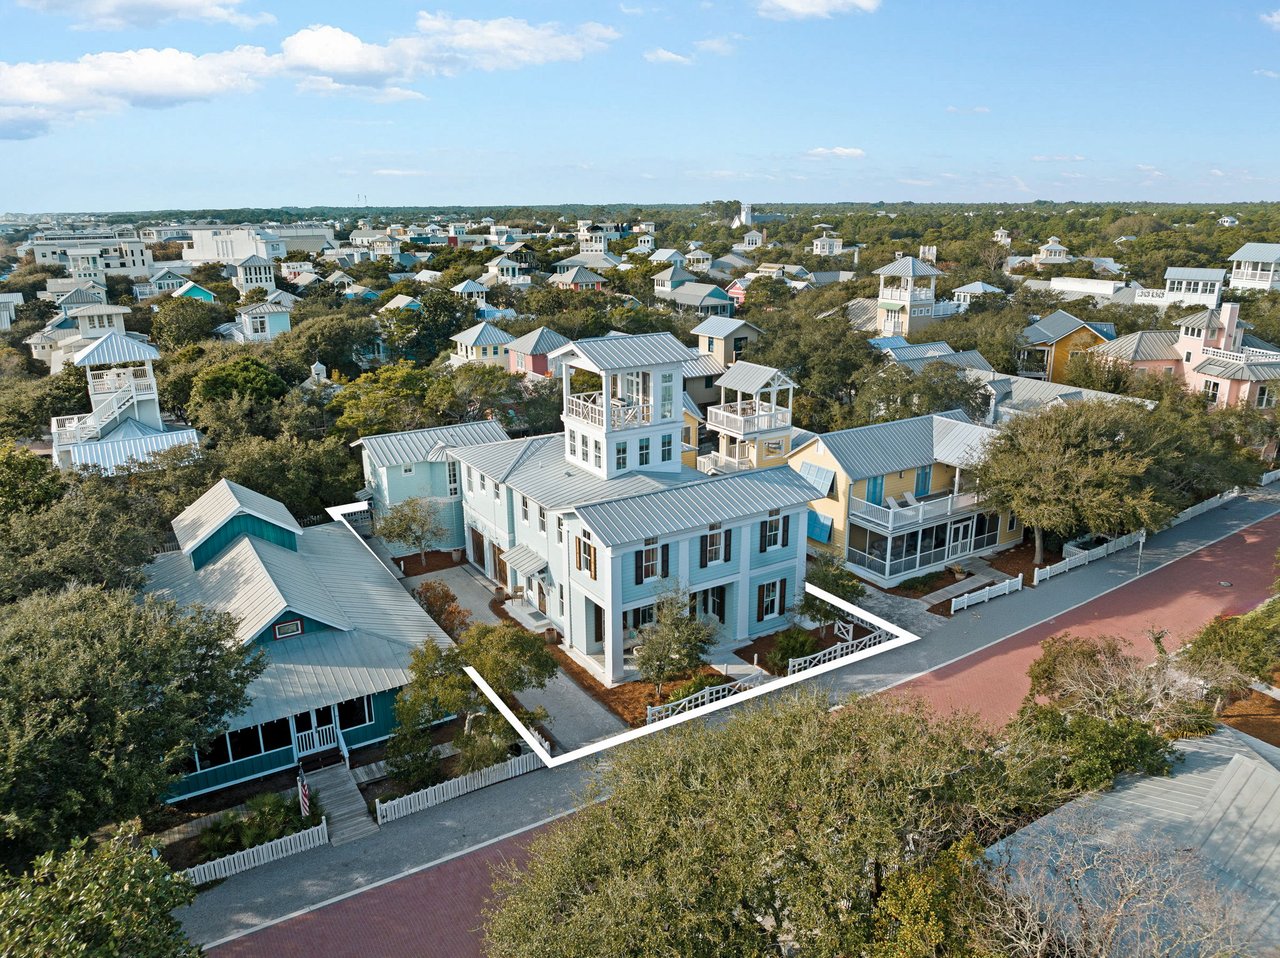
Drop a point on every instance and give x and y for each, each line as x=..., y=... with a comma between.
x=161, y=104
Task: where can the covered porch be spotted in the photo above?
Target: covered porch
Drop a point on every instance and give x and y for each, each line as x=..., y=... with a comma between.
x=889, y=558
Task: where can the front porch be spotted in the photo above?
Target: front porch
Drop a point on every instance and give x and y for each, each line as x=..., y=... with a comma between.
x=888, y=559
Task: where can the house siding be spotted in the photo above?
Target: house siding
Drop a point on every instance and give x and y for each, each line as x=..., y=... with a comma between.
x=246, y=768
x=1060, y=352
x=236, y=526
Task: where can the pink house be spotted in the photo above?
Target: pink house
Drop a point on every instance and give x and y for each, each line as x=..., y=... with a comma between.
x=1209, y=351
x=528, y=354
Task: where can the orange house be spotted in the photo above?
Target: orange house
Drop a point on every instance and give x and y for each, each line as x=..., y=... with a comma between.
x=1049, y=344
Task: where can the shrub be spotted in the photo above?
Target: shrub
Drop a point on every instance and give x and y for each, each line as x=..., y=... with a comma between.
x=270, y=816
x=921, y=583
x=794, y=643
x=696, y=685
x=442, y=605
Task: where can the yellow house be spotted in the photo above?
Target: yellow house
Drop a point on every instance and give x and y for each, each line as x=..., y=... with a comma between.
x=752, y=421
x=1051, y=342
x=895, y=500
x=725, y=337
x=693, y=419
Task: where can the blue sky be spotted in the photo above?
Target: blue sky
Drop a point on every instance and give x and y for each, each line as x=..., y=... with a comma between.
x=132, y=104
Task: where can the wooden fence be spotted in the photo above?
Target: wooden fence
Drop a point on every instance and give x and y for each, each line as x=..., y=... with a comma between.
x=983, y=595
x=713, y=693
x=839, y=650
x=271, y=851
x=420, y=801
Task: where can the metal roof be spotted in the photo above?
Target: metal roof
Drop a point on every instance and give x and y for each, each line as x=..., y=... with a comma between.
x=691, y=408
x=748, y=377
x=887, y=447
x=539, y=342
x=675, y=274
x=1018, y=394
x=909, y=266
x=721, y=327
x=1257, y=253
x=130, y=441
x=1206, y=319
x=1151, y=345
x=114, y=348
x=223, y=500
x=887, y=343
x=608, y=353
x=524, y=560
x=482, y=334
x=702, y=364
x=1254, y=371
x=1053, y=327
x=714, y=499
x=1188, y=272
x=576, y=274
x=917, y=350
x=254, y=260
x=968, y=359
x=98, y=308
x=978, y=287
x=427, y=445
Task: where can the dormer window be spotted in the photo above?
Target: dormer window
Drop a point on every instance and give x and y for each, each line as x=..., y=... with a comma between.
x=284, y=630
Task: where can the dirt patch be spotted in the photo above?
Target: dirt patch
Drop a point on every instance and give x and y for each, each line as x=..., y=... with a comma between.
x=1257, y=715
x=628, y=701
x=411, y=565
x=1018, y=560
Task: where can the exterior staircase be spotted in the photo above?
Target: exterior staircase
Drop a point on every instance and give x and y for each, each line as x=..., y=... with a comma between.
x=349, y=818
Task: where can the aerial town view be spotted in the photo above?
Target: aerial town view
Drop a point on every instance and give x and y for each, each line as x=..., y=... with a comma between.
x=454, y=505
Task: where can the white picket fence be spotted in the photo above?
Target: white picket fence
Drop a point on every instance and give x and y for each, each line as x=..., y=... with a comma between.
x=271, y=851
x=1084, y=557
x=713, y=693
x=1202, y=507
x=420, y=801
x=839, y=650
x=984, y=595
x=1269, y=477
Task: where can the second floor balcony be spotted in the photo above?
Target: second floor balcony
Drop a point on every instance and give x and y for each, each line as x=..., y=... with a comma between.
x=717, y=462
x=748, y=417
x=594, y=409
x=911, y=511
x=103, y=382
x=900, y=294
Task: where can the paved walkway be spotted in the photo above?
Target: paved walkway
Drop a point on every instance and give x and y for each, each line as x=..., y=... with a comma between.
x=304, y=881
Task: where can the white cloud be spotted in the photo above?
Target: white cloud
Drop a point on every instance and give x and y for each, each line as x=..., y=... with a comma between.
x=970, y=109
x=506, y=43
x=1066, y=175
x=808, y=9
x=631, y=11
x=1271, y=19
x=1269, y=74
x=401, y=172
x=721, y=46
x=1057, y=158
x=847, y=152
x=663, y=55
x=910, y=182
x=1216, y=173
x=118, y=14
x=1150, y=170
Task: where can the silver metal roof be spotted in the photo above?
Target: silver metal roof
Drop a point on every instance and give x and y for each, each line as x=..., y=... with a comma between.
x=222, y=501
x=887, y=447
x=702, y=364
x=721, y=327
x=125, y=444
x=426, y=445
x=1151, y=345
x=1257, y=253
x=1052, y=328
x=752, y=378
x=968, y=359
x=539, y=342
x=714, y=499
x=1018, y=394
x=524, y=559
x=114, y=348
x=697, y=294
x=608, y=353
x=909, y=266
x=1210, y=319
x=482, y=334
x=576, y=274
x=1256, y=372
x=1189, y=272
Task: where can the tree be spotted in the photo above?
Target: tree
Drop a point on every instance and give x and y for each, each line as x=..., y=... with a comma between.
x=113, y=899
x=182, y=320
x=422, y=334
x=388, y=399
x=246, y=376
x=416, y=522
x=27, y=482
x=474, y=391
x=674, y=644
x=1072, y=468
x=827, y=573
x=891, y=391
x=102, y=698
x=443, y=607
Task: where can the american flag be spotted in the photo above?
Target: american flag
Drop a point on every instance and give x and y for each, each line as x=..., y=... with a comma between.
x=304, y=794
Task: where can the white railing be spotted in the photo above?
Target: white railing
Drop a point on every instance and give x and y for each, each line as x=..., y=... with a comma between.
x=271, y=851
x=453, y=788
x=743, y=418
x=72, y=429
x=911, y=515
x=1269, y=477
x=105, y=381
x=1254, y=275
x=714, y=693
x=590, y=407
x=899, y=295
x=987, y=594
x=714, y=460
x=1085, y=556
x=315, y=739
x=841, y=649
x=1202, y=507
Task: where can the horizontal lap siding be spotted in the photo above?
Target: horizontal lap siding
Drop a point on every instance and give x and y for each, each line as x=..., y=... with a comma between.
x=237, y=526
x=259, y=765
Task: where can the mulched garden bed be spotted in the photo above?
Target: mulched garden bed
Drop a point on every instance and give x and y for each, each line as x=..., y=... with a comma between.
x=1018, y=559
x=628, y=701
x=411, y=565
x=758, y=651
x=1256, y=714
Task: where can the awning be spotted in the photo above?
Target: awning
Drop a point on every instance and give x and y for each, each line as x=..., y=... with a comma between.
x=819, y=527
x=821, y=479
x=524, y=560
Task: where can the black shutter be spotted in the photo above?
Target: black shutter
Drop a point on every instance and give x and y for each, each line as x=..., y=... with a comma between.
x=782, y=596
x=759, y=603
x=640, y=567
x=702, y=553
x=666, y=560
x=728, y=544
x=764, y=536
x=786, y=530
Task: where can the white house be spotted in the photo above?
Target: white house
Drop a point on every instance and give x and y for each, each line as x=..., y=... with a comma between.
x=1185, y=286
x=93, y=254
x=1051, y=253
x=257, y=323
x=253, y=272
x=1256, y=266
x=9, y=302
x=828, y=245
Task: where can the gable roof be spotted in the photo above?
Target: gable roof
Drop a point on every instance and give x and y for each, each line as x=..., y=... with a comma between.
x=114, y=348
x=427, y=445
x=887, y=447
x=751, y=378
x=399, y=301
x=1206, y=319
x=1151, y=345
x=219, y=503
x=1188, y=272
x=978, y=288
x=482, y=334
x=578, y=274
x=966, y=359
x=1258, y=253
x=468, y=286
x=714, y=499
x=627, y=352
x=1017, y=394
x=721, y=327
x=539, y=342
x=695, y=294
x=265, y=307
x=675, y=273
x=186, y=288
x=909, y=266
x=1054, y=327
x=254, y=260
x=701, y=364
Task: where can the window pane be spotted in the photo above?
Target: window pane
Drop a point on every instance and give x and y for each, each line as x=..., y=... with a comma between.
x=352, y=712
x=244, y=743
x=276, y=735
x=215, y=753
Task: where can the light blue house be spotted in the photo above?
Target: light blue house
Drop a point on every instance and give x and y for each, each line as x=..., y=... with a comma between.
x=257, y=323
x=414, y=465
x=593, y=524
x=336, y=627
x=190, y=290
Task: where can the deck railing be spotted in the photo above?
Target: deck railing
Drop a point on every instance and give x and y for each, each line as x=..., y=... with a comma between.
x=590, y=408
x=903, y=516
x=715, y=693
x=745, y=418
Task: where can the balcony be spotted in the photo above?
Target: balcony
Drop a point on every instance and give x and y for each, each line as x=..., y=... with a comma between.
x=104, y=382
x=716, y=462
x=900, y=517
x=1267, y=276
x=748, y=417
x=592, y=409
x=899, y=294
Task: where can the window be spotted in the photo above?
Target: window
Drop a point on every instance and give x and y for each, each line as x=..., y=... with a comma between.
x=595, y=449
x=215, y=753
x=354, y=712
x=716, y=546
x=651, y=561
x=771, y=600
x=245, y=743
x=497, y=490
x=584, y=447
x=276, y=734
x=739, y=344
x=585, y=554
x=482, y=481
x=542, y=519
x=1211, y=390
x=524, y=509
x=560, y=590
x=573, y=444
x=453, y=478
x=771, y=531
x=643, y=451
x=1013, y=523
x=285, y=629
x=620, y=455
x=560, y=529
x=257, y=325
x=668, y=396
x=635, y=619
x=666, y=448
x=471, y=486
x=406, y=469
x=520, y=361
x=1264, y=398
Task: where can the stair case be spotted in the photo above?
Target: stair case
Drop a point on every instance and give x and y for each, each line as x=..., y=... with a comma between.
x=349, y=818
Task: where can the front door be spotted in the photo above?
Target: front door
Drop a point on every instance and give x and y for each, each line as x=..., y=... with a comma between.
x=477, y=548
x=499, y=567
x=961, y=538
x=542, y=598
x=314, y=731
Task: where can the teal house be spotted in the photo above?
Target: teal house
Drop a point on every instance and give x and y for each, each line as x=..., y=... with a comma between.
x=190, y=290
x=335, y=625
x=413, y=465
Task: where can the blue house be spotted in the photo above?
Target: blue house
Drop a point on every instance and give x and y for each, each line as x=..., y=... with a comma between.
x=414, y=465
x=190, y=290
x=336, y=627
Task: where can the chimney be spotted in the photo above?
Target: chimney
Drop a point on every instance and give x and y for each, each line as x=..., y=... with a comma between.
x=897, y=254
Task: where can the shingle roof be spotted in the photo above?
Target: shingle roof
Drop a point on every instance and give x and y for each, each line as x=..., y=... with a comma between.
x=720, y=327
x=1150, y=345
x=539, y=342
x=714, y=499
x=114, y=348
x=906, y=444
x=909, y=266
x=627, y=352
x=482, y=334
x=1188, y=272
x=222, y=501
x=751, y=378
x=427, y=445
x=1257, y=253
